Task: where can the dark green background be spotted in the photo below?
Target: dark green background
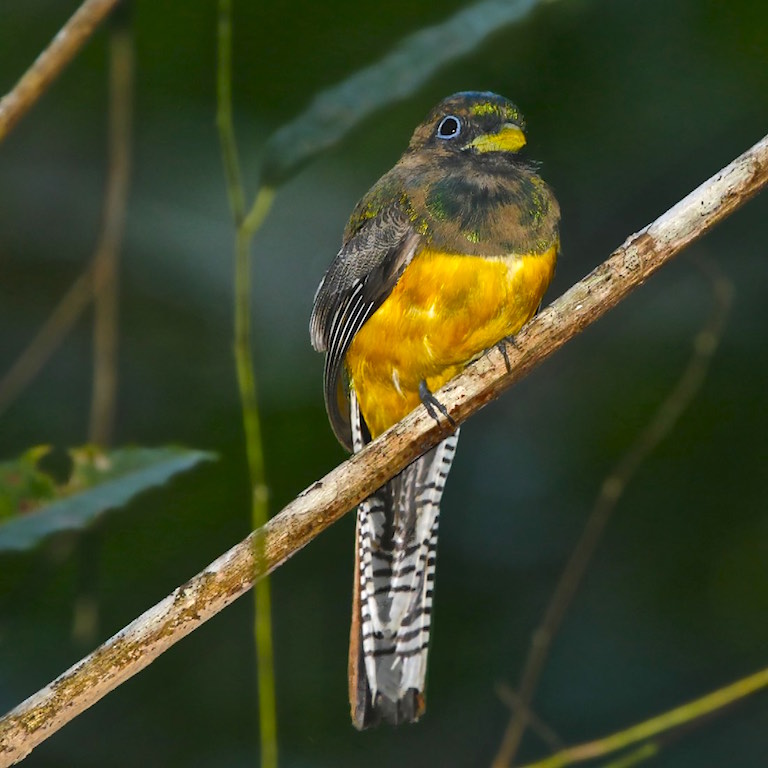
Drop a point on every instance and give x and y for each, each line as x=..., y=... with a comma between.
x=629, y=106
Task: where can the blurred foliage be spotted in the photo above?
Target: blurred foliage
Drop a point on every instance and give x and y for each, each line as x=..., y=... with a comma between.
x=629, y=107
x=333, y=113
x=24, y=487
x=34, y=505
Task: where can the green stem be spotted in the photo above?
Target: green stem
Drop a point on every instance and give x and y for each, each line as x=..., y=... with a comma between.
x=259, y=498
x=224, y=121
x=687, y=713
x=246, y=226
x=635, y=757
x=246, y=377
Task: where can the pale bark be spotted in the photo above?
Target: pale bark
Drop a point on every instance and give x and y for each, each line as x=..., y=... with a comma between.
x=47, y=66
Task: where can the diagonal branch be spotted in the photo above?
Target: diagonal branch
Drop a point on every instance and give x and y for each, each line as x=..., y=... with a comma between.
x=642, y=733
x=56, y=327
x=47, y=66
x=136, y=646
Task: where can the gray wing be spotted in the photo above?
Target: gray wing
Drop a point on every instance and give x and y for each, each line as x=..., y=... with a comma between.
x=361, y=276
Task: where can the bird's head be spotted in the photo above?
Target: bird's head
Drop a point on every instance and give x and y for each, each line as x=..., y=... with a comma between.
x=471, y=122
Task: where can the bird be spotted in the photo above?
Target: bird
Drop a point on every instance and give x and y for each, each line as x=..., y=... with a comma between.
x=449, y=253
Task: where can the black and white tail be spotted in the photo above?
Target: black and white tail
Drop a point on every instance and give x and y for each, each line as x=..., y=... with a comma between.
x=394, y=581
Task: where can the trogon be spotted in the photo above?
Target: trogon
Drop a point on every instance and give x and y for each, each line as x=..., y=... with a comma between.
x=447, y=254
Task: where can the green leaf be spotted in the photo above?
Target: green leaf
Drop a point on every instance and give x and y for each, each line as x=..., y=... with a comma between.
x=335, y=111
x=33, y=506
x=23, y=486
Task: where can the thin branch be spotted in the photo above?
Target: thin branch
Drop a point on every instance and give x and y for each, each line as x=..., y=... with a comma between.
x=106, y=259
x=259, y=498
x=635, y=757
x=327, y=500
x=224, y=122
x=96, y=276
x=60, y=322
x=46, y=67
x=545, y=732
x=107, y=255
x=661, y=424
x=245, y=226
x=697, y=709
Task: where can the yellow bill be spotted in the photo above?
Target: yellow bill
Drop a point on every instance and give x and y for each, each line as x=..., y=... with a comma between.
x=509, y=139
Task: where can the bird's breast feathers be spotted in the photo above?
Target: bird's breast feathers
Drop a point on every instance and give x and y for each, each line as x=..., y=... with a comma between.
x=444, y=311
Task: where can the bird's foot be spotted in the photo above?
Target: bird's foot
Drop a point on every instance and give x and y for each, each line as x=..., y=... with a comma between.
x=502, y=347
x=432, y=404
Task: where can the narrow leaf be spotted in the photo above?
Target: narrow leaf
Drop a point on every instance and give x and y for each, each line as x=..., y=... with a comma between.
x=334, y=112
x=99, y=481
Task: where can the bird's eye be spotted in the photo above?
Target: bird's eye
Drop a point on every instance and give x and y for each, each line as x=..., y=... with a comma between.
x=449, y=127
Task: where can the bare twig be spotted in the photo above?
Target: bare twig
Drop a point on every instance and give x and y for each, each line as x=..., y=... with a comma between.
x=663, y=421
x=46, y=67
x=54, y=330
x=106, y=259
x=108, y=251
x=328, y=499
x=95, y=278
x=712, y=703
x=537, y=725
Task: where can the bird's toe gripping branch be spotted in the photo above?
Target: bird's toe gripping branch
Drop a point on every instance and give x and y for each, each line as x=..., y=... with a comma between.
x=501, y=345
x=432, y=404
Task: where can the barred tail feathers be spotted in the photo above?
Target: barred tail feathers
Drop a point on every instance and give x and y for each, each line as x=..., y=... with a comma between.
x=394, y=579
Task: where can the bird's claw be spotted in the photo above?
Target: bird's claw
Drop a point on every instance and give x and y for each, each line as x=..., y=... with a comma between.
x=432, y=404
x=502, y=347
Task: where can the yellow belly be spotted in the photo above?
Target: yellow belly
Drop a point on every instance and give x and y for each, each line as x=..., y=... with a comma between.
x=444, y=311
